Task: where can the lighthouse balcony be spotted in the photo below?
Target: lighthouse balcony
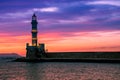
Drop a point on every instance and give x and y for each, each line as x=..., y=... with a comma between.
x=34, y=38
x=34, y=31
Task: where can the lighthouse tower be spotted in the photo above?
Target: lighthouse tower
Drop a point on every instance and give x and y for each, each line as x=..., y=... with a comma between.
x=34, y=30
x=35, y=51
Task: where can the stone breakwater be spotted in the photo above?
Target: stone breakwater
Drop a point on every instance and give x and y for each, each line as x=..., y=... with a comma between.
x=76, y=57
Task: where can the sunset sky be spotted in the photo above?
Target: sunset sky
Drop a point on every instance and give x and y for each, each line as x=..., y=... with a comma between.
x=63, y=25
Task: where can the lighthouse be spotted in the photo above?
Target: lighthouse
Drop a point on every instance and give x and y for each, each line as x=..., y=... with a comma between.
x=35, y=50
x=34, y=30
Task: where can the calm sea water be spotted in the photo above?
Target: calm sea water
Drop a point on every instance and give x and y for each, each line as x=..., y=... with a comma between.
x=58, y=71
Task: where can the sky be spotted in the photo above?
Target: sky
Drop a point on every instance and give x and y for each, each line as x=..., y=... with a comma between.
x=63, y=25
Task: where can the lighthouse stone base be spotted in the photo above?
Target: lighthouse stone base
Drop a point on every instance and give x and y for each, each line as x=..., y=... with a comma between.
x=34, y=52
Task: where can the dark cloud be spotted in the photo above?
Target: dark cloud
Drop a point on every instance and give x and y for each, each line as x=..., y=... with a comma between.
x=108, y=47
x=68, y=10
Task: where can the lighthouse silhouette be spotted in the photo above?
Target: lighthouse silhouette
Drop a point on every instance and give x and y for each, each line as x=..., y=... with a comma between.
x=35, y=50
x=34, y=30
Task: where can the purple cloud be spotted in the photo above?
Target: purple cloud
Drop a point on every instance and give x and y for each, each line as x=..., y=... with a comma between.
x=57, y=16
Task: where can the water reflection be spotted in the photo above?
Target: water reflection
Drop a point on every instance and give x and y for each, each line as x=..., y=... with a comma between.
x=59, y=71
x=32, y=72
x=73, y=71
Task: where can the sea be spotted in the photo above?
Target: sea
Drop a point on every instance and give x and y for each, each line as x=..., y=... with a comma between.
x=58, y=71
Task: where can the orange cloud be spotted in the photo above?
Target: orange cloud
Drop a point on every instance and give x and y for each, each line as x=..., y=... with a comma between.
x=82, y=41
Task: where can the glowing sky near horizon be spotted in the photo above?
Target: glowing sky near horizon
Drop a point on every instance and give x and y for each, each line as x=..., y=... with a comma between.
x=63, y=25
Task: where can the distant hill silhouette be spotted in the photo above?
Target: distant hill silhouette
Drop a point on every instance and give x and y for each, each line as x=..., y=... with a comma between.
x=9, y=55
